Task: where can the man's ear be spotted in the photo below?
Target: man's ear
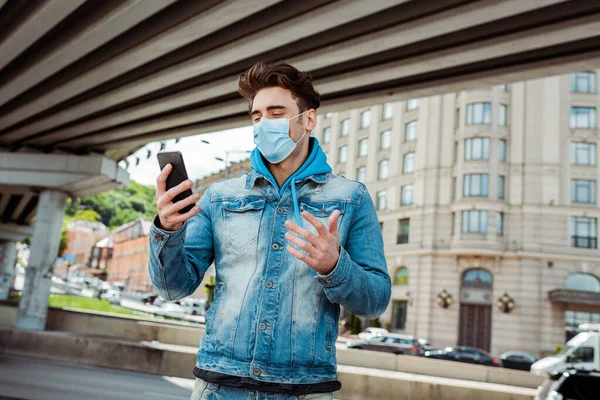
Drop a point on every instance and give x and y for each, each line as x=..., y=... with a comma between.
x=311, y=119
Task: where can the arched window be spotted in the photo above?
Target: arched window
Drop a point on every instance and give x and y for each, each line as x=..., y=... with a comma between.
x=401, y=276
x=477, y=278
x=583, y=283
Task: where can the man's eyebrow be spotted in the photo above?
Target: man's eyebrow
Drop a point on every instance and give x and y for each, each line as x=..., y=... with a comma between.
x=270, y=108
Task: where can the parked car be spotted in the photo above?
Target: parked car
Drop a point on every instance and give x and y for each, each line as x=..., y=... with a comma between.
x=171, y=310
x=370, y=332
x=571, y=385
x=113, y=296
x=517, y=360
x=194, y=306
x=464, y=354
x=389, y=343
x=149, y=298
x=425, y=345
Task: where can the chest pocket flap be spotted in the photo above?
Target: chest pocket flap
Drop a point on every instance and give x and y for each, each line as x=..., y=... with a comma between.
x=242, y=221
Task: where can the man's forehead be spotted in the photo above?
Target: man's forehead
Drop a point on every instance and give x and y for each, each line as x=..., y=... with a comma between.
x=273, y=97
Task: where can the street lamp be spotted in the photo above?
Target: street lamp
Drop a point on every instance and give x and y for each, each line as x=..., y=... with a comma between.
x=444, y=299
x=506, y=303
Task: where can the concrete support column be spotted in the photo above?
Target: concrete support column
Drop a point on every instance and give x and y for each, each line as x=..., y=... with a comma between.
x=33, y=306
x=8, y=260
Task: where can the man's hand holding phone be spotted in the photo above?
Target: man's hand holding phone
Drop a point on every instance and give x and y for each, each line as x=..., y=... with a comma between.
x=168, y=211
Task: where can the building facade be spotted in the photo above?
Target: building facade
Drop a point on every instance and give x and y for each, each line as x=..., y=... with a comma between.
x=487, y=205
x=81, y=238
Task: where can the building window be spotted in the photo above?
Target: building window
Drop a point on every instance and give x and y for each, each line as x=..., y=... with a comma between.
x=387, y=111
x=583, y=191
x=383, y=172
x=361, y=174
x=403, y=231
x=399, y=309
x=363, y=147
x=345, y=128
x=385, y=140
x=500, y=186
x=381, y=200
x=499, y=224
x=475, y=185
x=478, y=113
x=328, y=115
x=401, y=276
x=327, y=135
x=477, y=149
x=343, y=154
x=474, y=221
x=412, y=104
x=583, y=117
x=582, y=282
x=503, y=87
x=365, y=119
x=502, y=150
x=407, y=195
x=410, y=131
x=583, y=153
x=408, y=165
x=502, y=114
x=584, y=233
x=583, y=82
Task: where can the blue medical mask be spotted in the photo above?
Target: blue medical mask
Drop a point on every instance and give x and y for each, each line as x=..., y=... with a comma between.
x=272, y=137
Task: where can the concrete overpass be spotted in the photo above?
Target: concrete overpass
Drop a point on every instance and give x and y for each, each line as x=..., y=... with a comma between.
x=85, y=83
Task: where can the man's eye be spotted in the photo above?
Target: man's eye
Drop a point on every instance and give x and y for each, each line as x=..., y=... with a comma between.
x=255, y=120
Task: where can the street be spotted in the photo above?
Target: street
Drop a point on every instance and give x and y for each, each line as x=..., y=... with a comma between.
x=25, y=378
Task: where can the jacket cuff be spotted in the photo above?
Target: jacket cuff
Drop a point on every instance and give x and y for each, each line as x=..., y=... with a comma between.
x=339, y=273
x=161, y=236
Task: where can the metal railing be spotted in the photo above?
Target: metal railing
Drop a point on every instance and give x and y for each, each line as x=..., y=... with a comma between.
x=586, y=242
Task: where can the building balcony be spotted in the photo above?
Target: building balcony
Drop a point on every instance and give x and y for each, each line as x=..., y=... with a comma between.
x=584, y=242
x=574, y=297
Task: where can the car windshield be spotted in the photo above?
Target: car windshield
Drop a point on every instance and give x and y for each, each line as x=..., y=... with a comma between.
x=564, y=350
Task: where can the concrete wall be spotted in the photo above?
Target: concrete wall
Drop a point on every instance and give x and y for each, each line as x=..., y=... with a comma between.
x=358, y=383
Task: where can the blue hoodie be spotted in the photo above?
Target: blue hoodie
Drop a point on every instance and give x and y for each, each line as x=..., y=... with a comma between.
x=315, y=164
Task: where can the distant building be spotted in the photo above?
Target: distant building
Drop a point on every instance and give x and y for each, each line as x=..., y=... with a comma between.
x=128, y=263
x=232, y=171
x=81, y=238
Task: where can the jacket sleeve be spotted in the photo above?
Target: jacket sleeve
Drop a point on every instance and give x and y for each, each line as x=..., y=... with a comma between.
x=360, y=281
x=179, y=259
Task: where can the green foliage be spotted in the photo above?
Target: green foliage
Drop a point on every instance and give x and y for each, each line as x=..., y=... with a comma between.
x=375, y=323
x=355, y=324
x=117, y=207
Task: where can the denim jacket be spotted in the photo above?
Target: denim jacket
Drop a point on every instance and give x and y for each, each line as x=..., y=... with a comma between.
x=273, y=319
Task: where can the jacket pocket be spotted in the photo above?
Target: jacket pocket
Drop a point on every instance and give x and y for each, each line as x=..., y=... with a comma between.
x=242, y=221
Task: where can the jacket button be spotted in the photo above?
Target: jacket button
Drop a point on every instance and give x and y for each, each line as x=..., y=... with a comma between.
x=275, y=246
x=280, y=210
x=157, y=237
x=262, y=326
x=256, y=372
x=269, y=284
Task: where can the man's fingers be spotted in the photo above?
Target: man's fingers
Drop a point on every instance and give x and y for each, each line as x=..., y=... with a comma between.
x=161, y=181
x=302, y=257
x=304, y=245
x=333, y=222
x=292, y=226
x=175, y=207
x=184, y=217
x=171, y=193
x=314, y=221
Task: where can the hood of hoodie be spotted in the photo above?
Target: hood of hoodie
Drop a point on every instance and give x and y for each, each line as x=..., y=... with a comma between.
x=315, y=164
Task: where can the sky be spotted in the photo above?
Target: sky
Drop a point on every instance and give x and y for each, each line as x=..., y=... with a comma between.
x=199, y=157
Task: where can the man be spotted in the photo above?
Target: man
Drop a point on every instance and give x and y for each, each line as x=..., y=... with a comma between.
x=291, y=242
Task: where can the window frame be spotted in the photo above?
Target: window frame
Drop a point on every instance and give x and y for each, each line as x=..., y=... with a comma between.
x=380, y=196
x=482, y=224
x=388, y=135
x=345, y=127
x=484, y=146
x=380, y=176
x=327, y=135
x=358, y=171
x=486, y=113
x=589, y=76
x=470, y=179
x=411, y=124
x=340, y=152
x=403, y=236
x=365, y=119
x=409, y=187
x=575, y=121
x=387, y=107
x=501, y=187
x=412, y=104
x=589, y=148
x=404, y=161
x=578, y=184
x=362, y=141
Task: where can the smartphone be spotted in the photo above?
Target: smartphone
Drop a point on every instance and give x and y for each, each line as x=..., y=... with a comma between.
x=178, y=174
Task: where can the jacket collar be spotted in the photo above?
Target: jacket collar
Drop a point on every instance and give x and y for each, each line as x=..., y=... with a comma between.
x=253, y=176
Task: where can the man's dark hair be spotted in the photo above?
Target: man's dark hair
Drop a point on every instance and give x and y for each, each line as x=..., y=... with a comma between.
x=265, y=74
